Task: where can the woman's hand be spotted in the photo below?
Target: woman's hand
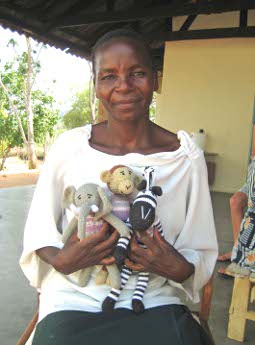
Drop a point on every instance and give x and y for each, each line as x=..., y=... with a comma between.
x=160, y=258
x=78, y=254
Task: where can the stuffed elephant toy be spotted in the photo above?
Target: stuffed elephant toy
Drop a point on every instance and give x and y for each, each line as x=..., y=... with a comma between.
x=94, y=208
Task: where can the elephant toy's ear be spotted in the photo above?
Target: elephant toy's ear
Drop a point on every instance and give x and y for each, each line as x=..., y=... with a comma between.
x=105, y=176
x=105, y=206
x=68, y=197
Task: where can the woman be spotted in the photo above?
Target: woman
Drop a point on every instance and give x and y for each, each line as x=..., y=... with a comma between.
x=243, y=253
x=183, y=261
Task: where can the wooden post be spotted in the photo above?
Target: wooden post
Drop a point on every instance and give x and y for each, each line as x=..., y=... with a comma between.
x=238, y=309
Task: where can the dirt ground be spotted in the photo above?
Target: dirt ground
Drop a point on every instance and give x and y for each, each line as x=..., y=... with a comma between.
x=17, y=173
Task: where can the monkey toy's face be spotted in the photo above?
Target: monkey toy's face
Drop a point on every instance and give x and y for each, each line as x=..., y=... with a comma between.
x=120, y=180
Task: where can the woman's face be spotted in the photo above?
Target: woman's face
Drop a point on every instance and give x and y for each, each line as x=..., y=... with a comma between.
x=124, y=79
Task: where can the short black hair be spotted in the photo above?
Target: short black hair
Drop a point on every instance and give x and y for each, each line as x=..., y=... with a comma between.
x=120, y=33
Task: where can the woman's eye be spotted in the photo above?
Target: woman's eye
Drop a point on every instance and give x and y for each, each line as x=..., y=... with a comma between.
x=108, y=77
x=79, y=197
x=138, y=74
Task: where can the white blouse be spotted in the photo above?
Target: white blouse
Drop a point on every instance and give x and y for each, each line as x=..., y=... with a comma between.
x=184, y=209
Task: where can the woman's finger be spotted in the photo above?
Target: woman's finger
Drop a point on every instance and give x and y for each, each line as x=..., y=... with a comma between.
x=149, y=241
x=94, y=239
x=107, y=261
x=134, y=266
x=107, y=244
x=135, y=248
x=159, y=239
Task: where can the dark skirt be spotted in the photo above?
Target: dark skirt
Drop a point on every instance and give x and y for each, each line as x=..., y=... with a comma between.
x=165, y=325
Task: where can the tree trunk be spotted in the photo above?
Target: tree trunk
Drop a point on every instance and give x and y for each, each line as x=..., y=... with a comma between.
x=32, y=160
x=92, y=97
x=4, y=156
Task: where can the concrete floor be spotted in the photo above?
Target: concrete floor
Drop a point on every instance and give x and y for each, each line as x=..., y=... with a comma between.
x=18, y=301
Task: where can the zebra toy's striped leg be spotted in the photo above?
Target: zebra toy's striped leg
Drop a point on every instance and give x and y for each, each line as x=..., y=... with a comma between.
x=112, y=298
x=120, y=251
x=142, y=283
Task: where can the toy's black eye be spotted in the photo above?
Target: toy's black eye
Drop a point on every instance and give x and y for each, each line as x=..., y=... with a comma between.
x=89, y=196
x=129, y=172
x=79, y=197
x=122, y=173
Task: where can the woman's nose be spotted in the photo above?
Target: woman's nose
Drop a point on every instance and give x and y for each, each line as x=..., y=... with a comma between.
x=124, y=84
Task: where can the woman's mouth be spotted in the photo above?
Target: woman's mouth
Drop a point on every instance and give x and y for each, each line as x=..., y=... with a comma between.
x=126, y=104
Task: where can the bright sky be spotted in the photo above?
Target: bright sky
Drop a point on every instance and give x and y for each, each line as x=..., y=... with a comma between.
x=71, y=74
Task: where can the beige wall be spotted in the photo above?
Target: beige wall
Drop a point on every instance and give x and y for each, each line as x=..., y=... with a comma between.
x=210, y=84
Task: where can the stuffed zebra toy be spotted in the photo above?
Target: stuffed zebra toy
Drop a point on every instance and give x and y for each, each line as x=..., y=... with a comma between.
x=142, y=218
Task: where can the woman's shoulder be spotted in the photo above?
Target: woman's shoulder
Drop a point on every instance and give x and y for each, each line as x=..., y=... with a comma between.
x=70, y=141
x=173, y=141
x=74, y=135
x=165, y=139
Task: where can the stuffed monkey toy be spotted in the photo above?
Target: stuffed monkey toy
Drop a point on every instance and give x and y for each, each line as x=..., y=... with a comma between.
x=122, y=182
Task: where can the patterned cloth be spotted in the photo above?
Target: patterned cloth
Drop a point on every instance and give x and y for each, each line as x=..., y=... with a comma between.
x=244, y=251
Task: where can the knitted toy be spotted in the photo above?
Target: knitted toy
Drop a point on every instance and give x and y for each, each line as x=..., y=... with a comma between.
x=121, y=181
x=142, y=218
x=94, y=208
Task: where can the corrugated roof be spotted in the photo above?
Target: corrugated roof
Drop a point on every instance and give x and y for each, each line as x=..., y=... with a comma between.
x=77, y=24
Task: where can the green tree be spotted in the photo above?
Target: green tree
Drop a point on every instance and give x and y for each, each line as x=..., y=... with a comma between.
x=45, y=116
x=153, y=108
x=17, y=80
x=26, y=116
x=9, y=131
x=80, y=112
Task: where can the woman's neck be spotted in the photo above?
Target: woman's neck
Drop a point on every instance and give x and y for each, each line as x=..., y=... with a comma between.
x=129, y=135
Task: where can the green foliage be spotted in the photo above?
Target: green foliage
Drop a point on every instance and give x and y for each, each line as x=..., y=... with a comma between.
x=45, y=116
x=9, y=132
x=153, y=108
x=80, y=113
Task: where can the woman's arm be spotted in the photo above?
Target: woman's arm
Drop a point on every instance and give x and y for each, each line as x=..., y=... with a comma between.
x=160, y=258
x=78, y=254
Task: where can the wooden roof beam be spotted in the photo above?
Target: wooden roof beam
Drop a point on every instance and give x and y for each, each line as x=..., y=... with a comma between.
x=176, y=9
x=243, y=18
x=188, y=22
x=202, y=34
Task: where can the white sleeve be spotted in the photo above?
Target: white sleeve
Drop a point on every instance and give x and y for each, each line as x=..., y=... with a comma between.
x=197, y=241
x=44, y=214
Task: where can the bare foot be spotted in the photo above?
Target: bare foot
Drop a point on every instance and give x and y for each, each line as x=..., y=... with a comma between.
x=222, y=271
x=224, y=257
